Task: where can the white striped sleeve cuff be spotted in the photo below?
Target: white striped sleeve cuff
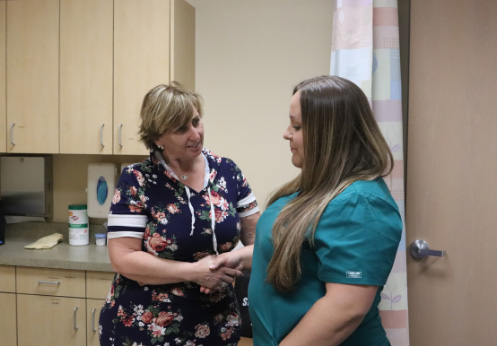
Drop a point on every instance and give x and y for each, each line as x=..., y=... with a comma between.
x=126, y=220
x=125, y=225
x=113, y=235
x=246, y=201
x=248, y=212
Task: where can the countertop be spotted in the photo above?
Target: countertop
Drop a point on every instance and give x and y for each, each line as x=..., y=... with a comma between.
x=62, y=256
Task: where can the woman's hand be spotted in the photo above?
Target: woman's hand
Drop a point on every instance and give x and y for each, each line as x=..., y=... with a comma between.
x=127, y=259
x=224, y=261
x=212, y=276
x=240, y=259
x=228, y=260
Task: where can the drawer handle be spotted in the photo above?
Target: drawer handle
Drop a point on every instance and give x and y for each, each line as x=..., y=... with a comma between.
x=75, y=318
x=102, y=135
x=93, y=320
x=12, y=134
x=54, y=283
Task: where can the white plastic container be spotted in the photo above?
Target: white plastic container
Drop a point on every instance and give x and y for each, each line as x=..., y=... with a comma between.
x=100, y=239
x=79, y=230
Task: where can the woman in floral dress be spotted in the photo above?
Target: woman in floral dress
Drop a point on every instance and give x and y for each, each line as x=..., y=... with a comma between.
x=171, y=216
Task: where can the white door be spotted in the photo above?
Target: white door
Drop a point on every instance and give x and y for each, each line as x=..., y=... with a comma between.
x=451, y=172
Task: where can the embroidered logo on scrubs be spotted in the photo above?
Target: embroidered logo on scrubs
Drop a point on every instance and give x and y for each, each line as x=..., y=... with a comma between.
x=354, y=275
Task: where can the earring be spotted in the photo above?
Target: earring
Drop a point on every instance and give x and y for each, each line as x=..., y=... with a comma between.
x=160, y=147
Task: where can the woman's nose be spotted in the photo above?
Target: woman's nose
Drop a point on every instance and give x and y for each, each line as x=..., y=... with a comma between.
x=194, y=133
x=286, y=134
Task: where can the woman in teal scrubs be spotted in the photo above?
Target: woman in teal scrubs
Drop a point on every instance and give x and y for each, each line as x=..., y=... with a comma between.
x=327, y=241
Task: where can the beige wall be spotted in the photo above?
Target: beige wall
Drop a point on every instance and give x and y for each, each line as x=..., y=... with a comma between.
x=250, y=54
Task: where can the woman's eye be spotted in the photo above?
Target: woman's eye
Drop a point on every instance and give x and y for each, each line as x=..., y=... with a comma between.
x=297, y=128
x=181, y=129
x=195, y=122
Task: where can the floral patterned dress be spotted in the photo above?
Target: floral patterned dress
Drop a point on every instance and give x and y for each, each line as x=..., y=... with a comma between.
x=175, y=223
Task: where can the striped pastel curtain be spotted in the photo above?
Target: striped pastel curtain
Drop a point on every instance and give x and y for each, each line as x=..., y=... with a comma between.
x=365, y=50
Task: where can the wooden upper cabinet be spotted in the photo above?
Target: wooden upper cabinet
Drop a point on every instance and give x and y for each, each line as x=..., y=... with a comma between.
x=143, y=53
x=86, y=59
x=183, y=43
x=78, y=88
x=33, y=76
x=141, y=61
x=3, y=79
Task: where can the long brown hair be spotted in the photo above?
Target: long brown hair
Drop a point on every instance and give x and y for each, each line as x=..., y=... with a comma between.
x=342, y=144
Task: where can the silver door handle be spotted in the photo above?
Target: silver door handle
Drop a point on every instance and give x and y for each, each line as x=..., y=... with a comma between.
x=120, y=135
x=420, y=249
x=12, y=134
x=102, y=135
x=75, y=318
x=54, y=283
x=93, y=320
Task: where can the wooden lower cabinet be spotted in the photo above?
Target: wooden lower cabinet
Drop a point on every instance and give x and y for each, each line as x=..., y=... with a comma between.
x=8, y=319
x=50, y=282
x=50, y=320
x=97, y=288
x=8, y=279
x=8, y=326
x=54, y=306
x=98, y=284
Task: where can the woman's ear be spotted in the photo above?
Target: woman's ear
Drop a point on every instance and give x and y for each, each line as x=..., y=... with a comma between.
x=158, y=145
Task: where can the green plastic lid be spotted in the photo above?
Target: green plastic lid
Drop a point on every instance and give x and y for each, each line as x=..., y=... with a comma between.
x=77, y=206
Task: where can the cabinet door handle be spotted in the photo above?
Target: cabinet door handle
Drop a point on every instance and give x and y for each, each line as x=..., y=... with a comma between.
x=12, y=134
x=75, y=317
x=93, y=320
x=120, y=134
x=54, y=283
x=102, y=135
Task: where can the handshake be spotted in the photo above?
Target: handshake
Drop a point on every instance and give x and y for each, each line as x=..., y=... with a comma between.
x=217, y=272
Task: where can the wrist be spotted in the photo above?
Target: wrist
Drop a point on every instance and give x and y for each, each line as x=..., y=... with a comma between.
x=188, y=271
x=246, y=256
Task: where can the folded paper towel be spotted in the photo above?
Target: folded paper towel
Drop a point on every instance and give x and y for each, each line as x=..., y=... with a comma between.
x=46, y=242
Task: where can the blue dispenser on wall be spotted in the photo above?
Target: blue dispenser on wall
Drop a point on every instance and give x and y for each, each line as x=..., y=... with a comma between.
x=102, y=179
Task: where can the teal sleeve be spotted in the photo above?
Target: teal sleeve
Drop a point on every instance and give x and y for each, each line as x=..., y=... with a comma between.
x=357, y=239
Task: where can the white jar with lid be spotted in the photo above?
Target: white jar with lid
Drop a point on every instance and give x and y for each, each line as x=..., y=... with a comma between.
x=100, y=239
x=79, y=230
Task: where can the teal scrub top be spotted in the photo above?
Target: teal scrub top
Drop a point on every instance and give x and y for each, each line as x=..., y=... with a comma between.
x=356, y=241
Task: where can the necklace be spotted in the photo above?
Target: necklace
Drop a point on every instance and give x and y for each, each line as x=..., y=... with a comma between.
x=183, y=177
